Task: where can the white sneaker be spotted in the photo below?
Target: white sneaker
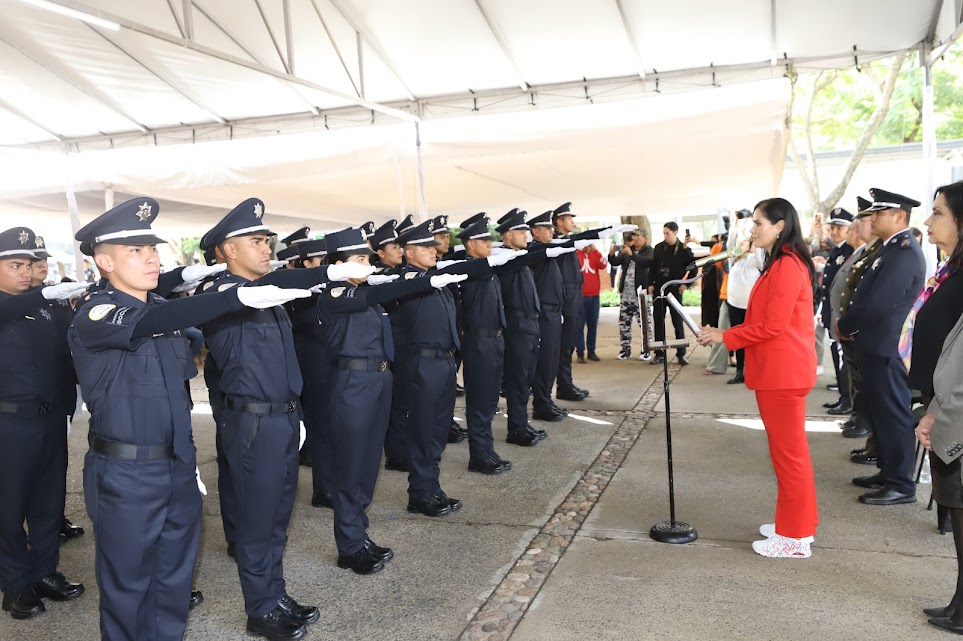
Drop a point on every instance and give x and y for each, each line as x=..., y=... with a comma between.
x=623, y=356
x=645, y=356
x=783, y=547
x=768, y=530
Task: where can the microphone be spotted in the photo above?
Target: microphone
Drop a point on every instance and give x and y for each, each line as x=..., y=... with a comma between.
x=735, y=252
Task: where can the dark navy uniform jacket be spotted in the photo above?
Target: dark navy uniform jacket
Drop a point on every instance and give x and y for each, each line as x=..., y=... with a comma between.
x=548, y=275
x=66, y=390
x=884, y=296
x=568, y=265
x=351, y=327
x=836, y=258
x=518, y=289
x=136, y=388
x=28, y=342
x=482, y=307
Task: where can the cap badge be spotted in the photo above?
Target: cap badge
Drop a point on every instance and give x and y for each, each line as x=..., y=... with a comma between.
x=143, y=212
x=258, y=211
x=24, y=237
x=431, y=225
x=39, y=241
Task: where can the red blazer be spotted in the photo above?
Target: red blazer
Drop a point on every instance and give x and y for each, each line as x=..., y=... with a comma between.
x=779, y=334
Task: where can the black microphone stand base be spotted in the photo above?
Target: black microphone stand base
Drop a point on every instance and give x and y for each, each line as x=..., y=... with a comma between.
x=677, y=532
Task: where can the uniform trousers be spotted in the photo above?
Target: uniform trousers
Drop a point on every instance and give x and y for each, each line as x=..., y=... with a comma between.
x=842, y=376
x=887, y=391
x=358, y=407
x=147, y=530
x=521, y=356
x=483, y=363
x=225, y=487
x=783, y=413
x=262, y=454
x=546, y=368
x=857, y=395
x=315, y=371
x=431, y=405
x=33, y=476
x=571, y=310
x=395, y=448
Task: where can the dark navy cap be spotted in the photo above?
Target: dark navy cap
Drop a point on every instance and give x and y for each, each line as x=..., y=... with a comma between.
x=883, y=200
x=441, y=224
x=210, y=258
x=17, y=243
x=40, y=248
x=384, y=235
x=471, y=220
x=347, y=241
x=543, y=220
x=476, y=231
x=311, y=248
x=297, y=237
x=406, y=223
x=244, y=220
x=368, y=229
x=126, y=224
x=423, y=235
x=862, y=205
x=508, y=216
x=288, y=253
x=510, y=222
x=562, y=210
x=840, y=216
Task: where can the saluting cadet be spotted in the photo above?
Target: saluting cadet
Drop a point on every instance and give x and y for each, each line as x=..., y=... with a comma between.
x=261, y=382
x=839, y=223
x=384, y=242
x=563, y=221
x=443, y=253
x=290, y=252
x=33, y=436
x=874, y=322
x=133, y=364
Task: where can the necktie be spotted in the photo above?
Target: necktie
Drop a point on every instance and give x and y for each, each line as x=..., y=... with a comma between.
x=295, y=382
x=449, y=302
x=386, y=337
x=173, y=373
x=499, y=302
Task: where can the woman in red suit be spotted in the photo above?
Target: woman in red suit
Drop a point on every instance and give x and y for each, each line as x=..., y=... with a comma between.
x=778, y=336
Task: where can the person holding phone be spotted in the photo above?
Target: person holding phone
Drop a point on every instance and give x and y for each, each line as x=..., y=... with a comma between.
x=670, y=260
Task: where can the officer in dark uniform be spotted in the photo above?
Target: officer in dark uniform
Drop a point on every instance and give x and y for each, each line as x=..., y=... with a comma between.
x=443, y=253
x=290, y=252
x=33, y=436
x=384, y=242
x=571, y=271
x=406, y=223
x=133, y=364
x=874, y=322
x=839, y=223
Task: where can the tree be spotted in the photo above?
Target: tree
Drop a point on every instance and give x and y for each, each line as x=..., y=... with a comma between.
x=185, y=249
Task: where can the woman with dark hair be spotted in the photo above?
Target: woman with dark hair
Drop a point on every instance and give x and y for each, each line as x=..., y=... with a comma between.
x=778, y=336
x=927, y=348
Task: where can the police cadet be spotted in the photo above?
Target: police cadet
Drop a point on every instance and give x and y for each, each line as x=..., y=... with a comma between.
x=874, y=322
x=260, y=381
x=133, y=364
x=384, y=242
x=33, y=438
x=839, y=223
x=290, y=251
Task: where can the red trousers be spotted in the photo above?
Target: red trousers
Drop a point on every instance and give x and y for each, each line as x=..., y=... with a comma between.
x=783, y=413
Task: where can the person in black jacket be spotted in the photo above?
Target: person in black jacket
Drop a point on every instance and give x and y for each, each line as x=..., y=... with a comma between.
x=635, y=258
x=670, y=260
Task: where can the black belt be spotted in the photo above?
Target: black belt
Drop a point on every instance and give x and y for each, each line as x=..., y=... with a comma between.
x=260, y=408
x=516, y=312
x=33, y=408
x=364, y=364
x=552, y=308
x=432, y=353
x=491, y=333
x=130, y=451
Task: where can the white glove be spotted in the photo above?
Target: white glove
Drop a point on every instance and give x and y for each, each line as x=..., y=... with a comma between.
x=302, y=435
x=559, y=241
x=264, y=296
x=381, y=279
x=64, y=291
x=347, y=270
x=317, y=289
x=497, y=243
x=200, y=272
x=618, y=229
x=441, y=264
x=582, y=244
x=275, y=264
x=498, y=251
x=554, y=252
x=441, y=280
x=200, y=483
x=187, y=286
x=503, y=257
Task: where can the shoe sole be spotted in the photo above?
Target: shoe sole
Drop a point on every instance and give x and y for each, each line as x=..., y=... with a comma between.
x=414, y=510
x=862, y=462
x=495, y=472
x=908, y=499
x=374, y=570
x=60, y=598
x=21, y=616
x=267, y=635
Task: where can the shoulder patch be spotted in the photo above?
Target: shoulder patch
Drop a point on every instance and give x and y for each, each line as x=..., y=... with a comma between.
x=337, y=291
x=99, y=312
x=207, y=285
x=411, y=275
x=226, y=286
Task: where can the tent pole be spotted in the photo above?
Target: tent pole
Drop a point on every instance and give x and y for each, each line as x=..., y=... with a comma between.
x=75, y=225
x=420, y=173
x=929, y=149
x=401, y=186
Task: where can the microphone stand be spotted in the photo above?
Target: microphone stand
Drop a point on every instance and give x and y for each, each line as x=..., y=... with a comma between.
x=672, y=531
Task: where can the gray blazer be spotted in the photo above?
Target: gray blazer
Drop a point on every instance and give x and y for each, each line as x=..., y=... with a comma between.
x=947, y=406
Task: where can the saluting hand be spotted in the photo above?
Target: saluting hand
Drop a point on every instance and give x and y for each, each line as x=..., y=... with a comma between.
x=264, y=296
x=64, y=291
x=496, y=260
x=200, y=272
x=441, y=280
x=344, y=271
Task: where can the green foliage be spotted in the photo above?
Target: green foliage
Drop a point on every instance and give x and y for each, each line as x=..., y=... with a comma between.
x=609, y=298
x=690, y=298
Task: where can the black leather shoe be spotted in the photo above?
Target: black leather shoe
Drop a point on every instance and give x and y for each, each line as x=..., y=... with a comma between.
x=873, y=482
x=456, y=435
x=549, y=416
x=23, y=605
x=886, y=496
x=571, y=395
x=937, y=613
x=592, y=356
x=849, y=422
x=491, y=467
x=855, y=432
x=276, y=626
x=945, y=623
x=506, y=464
x=397, y=466
x=683, y=361
x=525, y=439
x=56, y=588
x=322, y=499
x=454, y=504
x=581, y=359
x=385, y=554
x=864, y=458
x=302, y=614
x=833, y=404
x=739, y=377
x=541, y=435
x=858, y=450
x=434, y=506
x=841, y=410
x=304, y=458
x=69, y=531
x=197, y=598
x=559, y=410
x=362, y=561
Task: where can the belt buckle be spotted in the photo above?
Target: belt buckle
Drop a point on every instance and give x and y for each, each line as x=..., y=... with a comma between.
x=292, y=405
x=450, y=353
x=44, y=408
x=383, y=366
x=498, y=332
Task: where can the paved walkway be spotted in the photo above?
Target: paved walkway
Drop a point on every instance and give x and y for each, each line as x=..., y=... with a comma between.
x=558, y=547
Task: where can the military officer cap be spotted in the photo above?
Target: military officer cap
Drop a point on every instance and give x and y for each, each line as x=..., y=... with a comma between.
x=311, y=249
x=862, y=205
x=422, y=235
x=210, y=258
x=406, y=223
x=385, y=234
x=126, y=224
x=40, y=248
x=348, y=241
x=441, y=224
x=562, y=210
x=508, y=216
x=297, y=237
x=368, y=229
x=476, y=231
x=471, y=220
x=840, y=216
x=542, y=220
x=17, y=243
x=288, y=253
x=510, y=223
x=244, y=220
x=888, y=200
